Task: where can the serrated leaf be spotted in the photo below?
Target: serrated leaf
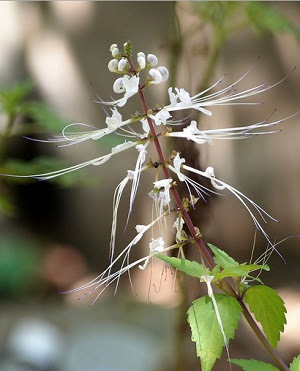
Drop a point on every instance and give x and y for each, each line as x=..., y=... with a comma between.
x=241, y=270
x=268, y=309
x=205, y=328
x=253, y=365
x=191, y=268
x=222, y=258
x=295, y=365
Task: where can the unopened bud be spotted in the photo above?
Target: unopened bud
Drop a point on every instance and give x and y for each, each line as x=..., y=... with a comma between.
x=122, y=64
x=164, y=73
x=142, y=62
x=156, y=76
x=112, y=47
x=113, y=65
x=152, y=59
x=115, y=52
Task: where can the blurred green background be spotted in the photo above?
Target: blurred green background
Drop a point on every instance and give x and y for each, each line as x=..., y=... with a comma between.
x=55, y=235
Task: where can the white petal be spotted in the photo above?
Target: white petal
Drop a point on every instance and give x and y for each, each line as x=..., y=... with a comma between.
x=118, y=86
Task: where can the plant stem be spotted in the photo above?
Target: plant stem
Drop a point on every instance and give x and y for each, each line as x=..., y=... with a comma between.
x=202, y=247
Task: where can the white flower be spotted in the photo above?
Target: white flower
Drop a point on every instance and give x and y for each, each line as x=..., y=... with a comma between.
x=211, y=174
x=145, y=126
x=152, y=60
x=192, y=132
x=141, y=148
x=185, y=101
x=156, y=246
x=178, y=225
x=161, y=193
x=161, y=117
x=220, y=185
x=115, y=121
x=228, y=95
x=177, y=162
x=129, y=85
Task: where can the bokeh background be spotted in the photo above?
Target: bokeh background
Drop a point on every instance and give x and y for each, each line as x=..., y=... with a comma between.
x=55, y=235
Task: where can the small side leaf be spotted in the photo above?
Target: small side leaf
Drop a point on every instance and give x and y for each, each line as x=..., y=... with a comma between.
x=222, y=258
x=253, y=365
x=268, y=309
x=191, y=268
x=295, y=365
x=205, y=328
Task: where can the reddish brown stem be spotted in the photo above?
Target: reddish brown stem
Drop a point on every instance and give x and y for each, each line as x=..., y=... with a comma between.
x=203, y=249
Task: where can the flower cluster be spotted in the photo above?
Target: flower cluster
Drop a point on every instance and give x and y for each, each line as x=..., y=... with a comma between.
x=148, y=128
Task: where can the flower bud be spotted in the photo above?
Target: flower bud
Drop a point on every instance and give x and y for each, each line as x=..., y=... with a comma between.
x=118, y=86
x=164, y=73
x=156, y=76
x=152, y=59
x=112, y=47
x=122, y=64
x=142, y=62
x=113, y=65
x=141, y=54
x=115, y=52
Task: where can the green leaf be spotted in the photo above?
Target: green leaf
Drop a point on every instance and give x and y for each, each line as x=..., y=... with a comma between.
x=43, y=116
x=10, y=99
x=268, y=309
x=241, y=270
x=264, y=18
x=205, y=328
x=253, y=365
x=191, y=268
x=222, y=258
x=295, y=365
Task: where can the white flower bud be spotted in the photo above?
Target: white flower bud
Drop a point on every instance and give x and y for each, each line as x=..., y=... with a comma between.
x=141, y=54
x=156, y=76
x=164, y=73
x=152, y=59
x=115, y=52
x=118, y=86
x=113, y=65
x=142, y=62
x=122, y=64
x=112, y=47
